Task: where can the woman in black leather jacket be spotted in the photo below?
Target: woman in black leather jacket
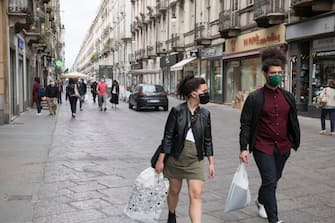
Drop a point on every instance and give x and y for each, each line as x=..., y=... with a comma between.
x=187, y=139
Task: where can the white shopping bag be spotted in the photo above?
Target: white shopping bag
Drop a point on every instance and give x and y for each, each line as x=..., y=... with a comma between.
x=239, y=193
x=147, y=197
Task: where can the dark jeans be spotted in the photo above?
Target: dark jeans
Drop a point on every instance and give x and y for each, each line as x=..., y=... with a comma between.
x=270, y=168
x=59, y=98
x=38, y=107
x=324, y=113
x=94, y=95
x=73, y=104
x=81, y=101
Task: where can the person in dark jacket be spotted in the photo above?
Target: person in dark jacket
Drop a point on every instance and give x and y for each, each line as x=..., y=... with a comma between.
x=115, y=91
x=51, y=92
x=187, y=139
x=82, y=87
x=60, y=91
x=269, y=128
x=94, y=91
x=73, y=95
x=36, y=96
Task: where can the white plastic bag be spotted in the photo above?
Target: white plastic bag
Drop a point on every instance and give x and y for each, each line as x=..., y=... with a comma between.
x=239, y=192
x=147, y=197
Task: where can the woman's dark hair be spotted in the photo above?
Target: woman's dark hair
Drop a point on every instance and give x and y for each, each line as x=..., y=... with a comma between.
x=71, y=81
x=272, y=56
x=37, y=79
x=189, y=84
x=331, y=83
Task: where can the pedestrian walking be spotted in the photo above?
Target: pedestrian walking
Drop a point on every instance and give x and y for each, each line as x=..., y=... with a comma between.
x=269, y=128
x=115, y=91
x=35, y=93
x=187, y=139
x=82, y=87
x=51, y=92
x=94, y=91
x=73, y=95
x=328, y=108
x=60, y=91
x=102, y=90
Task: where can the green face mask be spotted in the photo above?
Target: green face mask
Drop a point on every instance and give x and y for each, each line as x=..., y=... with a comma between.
x=275, y=80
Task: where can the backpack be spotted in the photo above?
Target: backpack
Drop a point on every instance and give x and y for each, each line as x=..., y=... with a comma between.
x=41, y=92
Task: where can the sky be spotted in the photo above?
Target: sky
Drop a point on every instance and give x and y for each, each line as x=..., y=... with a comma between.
x=77, y=17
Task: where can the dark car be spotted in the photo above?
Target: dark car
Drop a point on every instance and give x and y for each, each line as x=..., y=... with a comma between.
x=148, y=96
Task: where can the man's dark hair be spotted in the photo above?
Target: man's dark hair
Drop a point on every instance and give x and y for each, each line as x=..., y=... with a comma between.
x=37, y=79
x=272, y=56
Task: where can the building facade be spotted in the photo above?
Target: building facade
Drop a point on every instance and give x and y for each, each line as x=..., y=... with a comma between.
x=173, y=38
x=30, y=42
x=107, y=44
x=311, y=37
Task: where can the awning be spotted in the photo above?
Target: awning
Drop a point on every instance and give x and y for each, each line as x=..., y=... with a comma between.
x=180, y=65
x=144, y=71
x=243, y=54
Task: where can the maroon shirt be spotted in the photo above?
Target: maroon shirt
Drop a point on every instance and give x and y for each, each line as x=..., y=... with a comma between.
x=272, y=126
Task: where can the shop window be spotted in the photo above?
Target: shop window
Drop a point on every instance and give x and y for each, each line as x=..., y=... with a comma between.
x=304, y=79
x=323, y=69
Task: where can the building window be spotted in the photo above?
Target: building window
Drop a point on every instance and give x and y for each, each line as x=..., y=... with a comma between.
x=234, y=5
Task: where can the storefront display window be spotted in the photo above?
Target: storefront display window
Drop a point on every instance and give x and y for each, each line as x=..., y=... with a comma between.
x=251, y=75
x=215, y=68
x=232, y=79
x=304, y=79
x=323, y=69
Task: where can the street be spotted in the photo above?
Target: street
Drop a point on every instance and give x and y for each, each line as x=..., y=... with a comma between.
x=82, y=169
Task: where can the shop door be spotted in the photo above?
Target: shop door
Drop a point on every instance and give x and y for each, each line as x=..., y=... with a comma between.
x=20, y=84
x=13, y=81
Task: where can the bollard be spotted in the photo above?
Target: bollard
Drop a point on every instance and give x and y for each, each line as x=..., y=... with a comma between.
x=2, y=121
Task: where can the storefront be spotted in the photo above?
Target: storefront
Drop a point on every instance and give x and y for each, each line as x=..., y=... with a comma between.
x=312, y=59
x=168, y=77
x=211, y=61
x=242, y=62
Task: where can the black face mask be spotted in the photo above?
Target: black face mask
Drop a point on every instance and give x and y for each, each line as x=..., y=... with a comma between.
x=204, y=98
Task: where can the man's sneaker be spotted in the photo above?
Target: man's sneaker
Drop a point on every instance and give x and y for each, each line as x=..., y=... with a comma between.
x=105, y=109
x=261, y=210
x=280, y=221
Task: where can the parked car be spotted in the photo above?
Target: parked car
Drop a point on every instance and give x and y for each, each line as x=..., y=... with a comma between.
x=148, y=96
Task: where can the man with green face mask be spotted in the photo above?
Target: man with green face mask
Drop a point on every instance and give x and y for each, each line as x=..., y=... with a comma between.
x=269, y=129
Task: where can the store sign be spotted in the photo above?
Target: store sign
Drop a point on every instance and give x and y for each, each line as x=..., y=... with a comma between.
x=214, y=51
x=168, y=61
x=255, y=40
x=327, y=44
x=20, y=43
x=59, y=63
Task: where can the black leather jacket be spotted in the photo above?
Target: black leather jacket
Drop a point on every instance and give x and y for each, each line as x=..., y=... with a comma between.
x=250, y=116
x=177, y=125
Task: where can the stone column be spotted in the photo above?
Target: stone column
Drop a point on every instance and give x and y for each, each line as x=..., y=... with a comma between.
x=4, y=118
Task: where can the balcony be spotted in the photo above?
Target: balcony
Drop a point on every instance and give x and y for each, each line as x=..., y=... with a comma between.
x=162, y=6
x=202, y=36
x=151, y=52
x=229, y=24
x=173, y=2
x=160, y=48
x=144, y=54
x=133, y=27
x=269, y=12
x=177, y=42
x=308, y=8
x=18, y=12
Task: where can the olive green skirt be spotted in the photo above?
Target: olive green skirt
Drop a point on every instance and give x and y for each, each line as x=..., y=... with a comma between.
x=187, y=166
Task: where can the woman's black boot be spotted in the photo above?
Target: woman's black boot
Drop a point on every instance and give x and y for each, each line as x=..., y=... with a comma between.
x=172, y=218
